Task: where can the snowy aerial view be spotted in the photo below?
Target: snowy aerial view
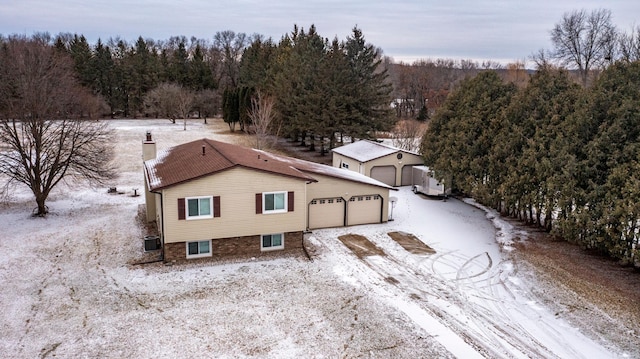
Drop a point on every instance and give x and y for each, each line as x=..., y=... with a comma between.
x=73, y=285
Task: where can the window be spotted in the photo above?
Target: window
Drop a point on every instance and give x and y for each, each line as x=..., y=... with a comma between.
x=330, y=201
x=274, y=202
x=314, y=202
x=345, y=165
x=322, y=201
x=199, y=207
x=272, y=242
x=199, y=249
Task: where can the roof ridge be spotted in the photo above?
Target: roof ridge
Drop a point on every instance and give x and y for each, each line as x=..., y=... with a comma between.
x=215, y=148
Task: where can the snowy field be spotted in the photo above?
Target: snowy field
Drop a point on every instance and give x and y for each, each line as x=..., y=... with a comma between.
x=69, y=289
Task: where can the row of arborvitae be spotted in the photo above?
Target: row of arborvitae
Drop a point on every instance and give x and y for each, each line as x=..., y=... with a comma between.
x=555, y=154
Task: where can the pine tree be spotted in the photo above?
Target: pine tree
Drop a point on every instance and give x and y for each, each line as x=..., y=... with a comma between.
x=370, y=97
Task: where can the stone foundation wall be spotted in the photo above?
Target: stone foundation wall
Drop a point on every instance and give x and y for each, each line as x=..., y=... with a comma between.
x=247, y=247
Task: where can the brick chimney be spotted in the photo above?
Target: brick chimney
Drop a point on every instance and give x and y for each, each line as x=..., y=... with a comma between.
x=148, y=147
x=149, y=153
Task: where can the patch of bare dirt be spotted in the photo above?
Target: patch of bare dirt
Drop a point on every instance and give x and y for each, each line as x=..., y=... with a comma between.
x=294, y=149
x=411, y=243
x=592, y=292
x=360, y=245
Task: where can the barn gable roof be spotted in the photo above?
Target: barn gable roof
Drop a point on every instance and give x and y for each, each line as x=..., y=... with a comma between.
x=366, y=150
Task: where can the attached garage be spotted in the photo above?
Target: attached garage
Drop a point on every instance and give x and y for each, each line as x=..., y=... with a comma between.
x=407, y=173
x=384, y=174
x=364, y=209
x=326, y=212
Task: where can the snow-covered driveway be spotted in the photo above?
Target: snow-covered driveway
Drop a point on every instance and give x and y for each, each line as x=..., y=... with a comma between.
x=467, y=295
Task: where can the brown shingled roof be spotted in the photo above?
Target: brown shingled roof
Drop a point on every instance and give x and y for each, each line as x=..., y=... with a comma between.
x=187, y=162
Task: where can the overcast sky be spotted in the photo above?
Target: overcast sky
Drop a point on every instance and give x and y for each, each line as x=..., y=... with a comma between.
x=498, y=30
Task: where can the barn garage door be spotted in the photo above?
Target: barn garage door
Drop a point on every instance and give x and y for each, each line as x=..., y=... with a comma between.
x=326, y=212
x=384, y=174
x=364, y=209
x=407, y=173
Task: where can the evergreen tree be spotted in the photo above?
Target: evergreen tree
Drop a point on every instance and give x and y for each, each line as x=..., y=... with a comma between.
x=80, y=52
x=532, y=152
x=103, y=82
x=371, y=95
x=200, y=74
x=144, y=73
x=256, y=63
x=609, y=214
x=230, y=107
x=460, y=139
x=336, y=87
x=179, y=65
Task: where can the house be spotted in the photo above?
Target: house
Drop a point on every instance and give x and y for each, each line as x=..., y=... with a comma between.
x=211, y=198
x=384, y=163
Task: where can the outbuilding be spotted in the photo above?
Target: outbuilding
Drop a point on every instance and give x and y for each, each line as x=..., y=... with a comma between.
x=379, y=161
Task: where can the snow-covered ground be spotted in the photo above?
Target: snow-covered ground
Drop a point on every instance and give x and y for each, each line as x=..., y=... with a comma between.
x=68, y=289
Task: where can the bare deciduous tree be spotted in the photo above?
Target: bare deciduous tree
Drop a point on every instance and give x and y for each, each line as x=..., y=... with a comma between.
x=407, y=135
x=262, y=115
x=630, y=45
x=230, y=46
x=46, y=132
x=185, y=104
x=584, y=41
x=170, y=100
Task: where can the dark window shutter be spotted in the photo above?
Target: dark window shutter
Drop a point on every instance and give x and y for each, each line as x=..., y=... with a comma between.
x=216, y=206
x=258, y=203
x=290, y=202
x=181, y=211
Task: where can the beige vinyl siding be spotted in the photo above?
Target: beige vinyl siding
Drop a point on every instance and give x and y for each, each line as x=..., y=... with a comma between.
x=338, y=159
x=237, y=188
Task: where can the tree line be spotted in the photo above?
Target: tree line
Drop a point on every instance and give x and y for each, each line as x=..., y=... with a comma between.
x=322, y=90
x=559, y=150
x=122, y=74
x=552, y=153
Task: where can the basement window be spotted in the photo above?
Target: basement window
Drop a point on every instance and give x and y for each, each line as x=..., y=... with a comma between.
x=199, y=249
x=271, y=242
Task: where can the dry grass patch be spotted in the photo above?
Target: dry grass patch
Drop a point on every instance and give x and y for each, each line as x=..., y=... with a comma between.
x=411, y=243
x=360, y=245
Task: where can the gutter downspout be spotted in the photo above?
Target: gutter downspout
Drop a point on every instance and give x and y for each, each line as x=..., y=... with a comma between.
x=162, y=220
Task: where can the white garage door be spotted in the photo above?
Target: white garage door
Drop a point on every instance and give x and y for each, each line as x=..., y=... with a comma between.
x=326, y=212
x=364, y=209
x=407, y=173
x=384, y=174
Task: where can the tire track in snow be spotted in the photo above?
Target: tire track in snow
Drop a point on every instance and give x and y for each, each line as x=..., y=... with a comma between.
x=490, y=336
x=474, y=325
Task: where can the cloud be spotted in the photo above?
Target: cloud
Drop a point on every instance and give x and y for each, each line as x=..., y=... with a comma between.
x=486, y=29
